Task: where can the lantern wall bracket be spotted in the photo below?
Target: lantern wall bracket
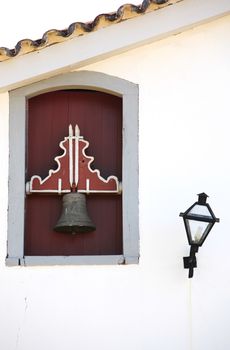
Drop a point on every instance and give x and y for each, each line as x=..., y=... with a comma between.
x=190, y=261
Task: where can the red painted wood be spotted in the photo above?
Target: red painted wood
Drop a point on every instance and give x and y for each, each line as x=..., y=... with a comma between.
x=99, y=117
x=96, y=183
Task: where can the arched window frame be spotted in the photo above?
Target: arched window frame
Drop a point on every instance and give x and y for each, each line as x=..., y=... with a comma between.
x=18, y=109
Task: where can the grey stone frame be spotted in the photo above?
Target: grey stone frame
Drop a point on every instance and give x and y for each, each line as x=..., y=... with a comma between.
x=18, y=109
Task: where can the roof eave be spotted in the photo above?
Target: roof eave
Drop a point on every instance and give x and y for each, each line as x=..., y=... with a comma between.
x=81, y=51
x=53, y=36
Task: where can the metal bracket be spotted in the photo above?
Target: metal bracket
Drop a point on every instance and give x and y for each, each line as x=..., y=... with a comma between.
x=190, y=261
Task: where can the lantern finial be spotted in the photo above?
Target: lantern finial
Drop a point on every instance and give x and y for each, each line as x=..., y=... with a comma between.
x=202, y=197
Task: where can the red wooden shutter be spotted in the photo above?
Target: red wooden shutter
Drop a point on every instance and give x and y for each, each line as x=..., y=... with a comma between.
x=99, y=117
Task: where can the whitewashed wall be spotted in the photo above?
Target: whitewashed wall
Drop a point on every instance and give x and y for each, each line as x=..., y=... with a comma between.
x=184, y=150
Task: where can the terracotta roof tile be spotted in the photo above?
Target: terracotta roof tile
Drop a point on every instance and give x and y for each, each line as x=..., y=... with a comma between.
x=76, y=29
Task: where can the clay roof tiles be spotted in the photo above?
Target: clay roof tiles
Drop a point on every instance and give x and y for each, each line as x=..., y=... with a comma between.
x=77, y=29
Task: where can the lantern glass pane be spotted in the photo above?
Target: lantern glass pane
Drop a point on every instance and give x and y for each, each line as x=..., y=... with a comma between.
x=200, y=210
x=197, y=230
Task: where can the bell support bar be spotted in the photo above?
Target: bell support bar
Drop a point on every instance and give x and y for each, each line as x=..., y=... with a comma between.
x=73, y=171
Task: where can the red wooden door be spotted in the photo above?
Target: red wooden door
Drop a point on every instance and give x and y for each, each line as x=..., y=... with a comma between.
x=99, y=117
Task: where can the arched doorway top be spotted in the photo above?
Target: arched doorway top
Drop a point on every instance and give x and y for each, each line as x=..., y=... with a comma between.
x=81, y=80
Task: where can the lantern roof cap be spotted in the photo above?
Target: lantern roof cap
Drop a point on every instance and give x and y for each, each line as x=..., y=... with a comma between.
x=202, y=197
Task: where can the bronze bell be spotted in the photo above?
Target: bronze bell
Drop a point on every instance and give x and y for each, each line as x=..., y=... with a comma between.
x=74, y=217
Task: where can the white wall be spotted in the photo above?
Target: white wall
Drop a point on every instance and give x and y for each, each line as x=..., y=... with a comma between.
x=184, y=150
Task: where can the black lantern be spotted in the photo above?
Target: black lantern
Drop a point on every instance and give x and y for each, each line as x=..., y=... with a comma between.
x=198, y=220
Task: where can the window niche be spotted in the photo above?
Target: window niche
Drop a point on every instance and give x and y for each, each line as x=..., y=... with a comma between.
x=107, y=110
